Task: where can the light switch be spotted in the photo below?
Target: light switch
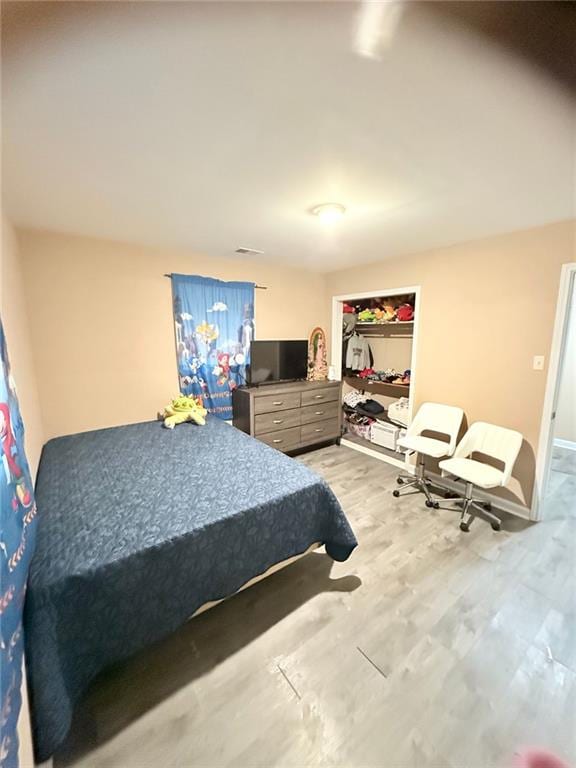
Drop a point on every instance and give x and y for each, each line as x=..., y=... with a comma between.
x=538, y=363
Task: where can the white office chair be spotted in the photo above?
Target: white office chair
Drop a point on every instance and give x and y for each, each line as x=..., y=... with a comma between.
x=431, y=417
x=491, y=441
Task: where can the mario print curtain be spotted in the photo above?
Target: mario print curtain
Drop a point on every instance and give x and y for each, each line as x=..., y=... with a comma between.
x=16, y=546
x=214, y=326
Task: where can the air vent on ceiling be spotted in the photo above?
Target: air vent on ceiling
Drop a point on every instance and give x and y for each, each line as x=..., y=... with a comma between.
x=249, y=250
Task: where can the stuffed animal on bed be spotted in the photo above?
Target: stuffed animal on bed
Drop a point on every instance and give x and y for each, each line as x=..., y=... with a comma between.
x=183, y=409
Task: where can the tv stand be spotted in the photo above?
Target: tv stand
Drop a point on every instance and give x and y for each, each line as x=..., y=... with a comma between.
x=290, y=415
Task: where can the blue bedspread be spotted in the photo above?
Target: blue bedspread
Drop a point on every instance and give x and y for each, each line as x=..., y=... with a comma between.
x=138, y=527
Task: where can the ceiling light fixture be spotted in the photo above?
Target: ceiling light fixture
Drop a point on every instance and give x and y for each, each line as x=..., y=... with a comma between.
x=376, y=26
x=253, y=251
x=329, y=212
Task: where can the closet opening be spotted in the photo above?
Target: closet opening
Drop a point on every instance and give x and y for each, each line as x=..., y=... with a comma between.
x=374, y=342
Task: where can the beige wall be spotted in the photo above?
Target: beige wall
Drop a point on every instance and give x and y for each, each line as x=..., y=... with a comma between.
x=565, y=426
x=103, y=339
x=487, y=308
x=102, y=326
x=15, y=320
x=16, y=328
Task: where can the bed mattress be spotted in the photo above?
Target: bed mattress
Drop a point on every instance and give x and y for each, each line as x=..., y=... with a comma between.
x=138, y=527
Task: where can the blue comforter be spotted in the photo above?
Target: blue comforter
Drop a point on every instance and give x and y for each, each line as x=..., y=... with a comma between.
x=138, y=527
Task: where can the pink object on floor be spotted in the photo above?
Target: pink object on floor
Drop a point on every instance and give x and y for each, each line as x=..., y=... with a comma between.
x=538, y=758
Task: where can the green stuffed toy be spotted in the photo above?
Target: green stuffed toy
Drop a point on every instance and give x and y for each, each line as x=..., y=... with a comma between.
x=366, y=316
x=183, y=409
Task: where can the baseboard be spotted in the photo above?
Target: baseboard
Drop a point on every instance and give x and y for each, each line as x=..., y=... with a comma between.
x=504, y=504
x=398, y=463
x=568, y=444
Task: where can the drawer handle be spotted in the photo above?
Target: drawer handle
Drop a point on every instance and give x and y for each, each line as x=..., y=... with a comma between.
x=318, y=397
x=278, y=402
x=321, y=429
x=318, y=413
x=277, y=421
x=278, y=440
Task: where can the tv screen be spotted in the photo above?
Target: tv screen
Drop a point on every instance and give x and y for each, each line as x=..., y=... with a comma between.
x=277, y=361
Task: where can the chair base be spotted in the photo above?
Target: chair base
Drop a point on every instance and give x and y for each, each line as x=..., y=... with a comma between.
x=418, y=482
x=472, y=508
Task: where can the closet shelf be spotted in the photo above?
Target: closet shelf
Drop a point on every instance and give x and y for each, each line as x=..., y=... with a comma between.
x=378, y=387
x=404, y=328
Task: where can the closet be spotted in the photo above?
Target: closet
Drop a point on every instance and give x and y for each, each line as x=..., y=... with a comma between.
x=373, y=353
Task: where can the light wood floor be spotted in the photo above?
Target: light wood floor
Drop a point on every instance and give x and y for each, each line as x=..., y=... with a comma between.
x=429, y=647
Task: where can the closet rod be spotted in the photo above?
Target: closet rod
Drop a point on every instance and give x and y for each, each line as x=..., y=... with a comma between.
x=260, y=287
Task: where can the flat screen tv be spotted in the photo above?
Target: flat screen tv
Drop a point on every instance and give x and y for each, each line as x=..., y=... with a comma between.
x=277, y=361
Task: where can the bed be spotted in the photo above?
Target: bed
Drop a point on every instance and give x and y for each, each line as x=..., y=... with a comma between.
x=140, y=528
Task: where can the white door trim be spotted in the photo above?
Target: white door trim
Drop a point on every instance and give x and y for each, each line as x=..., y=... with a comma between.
x=569, y=445
x=545, y=442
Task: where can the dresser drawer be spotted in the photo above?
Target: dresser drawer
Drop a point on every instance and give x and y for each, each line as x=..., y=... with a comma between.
x=320, y=412
x=272, y=422
x=283, y=440
x=271, y=403
x=322, y=395
x=320, y=430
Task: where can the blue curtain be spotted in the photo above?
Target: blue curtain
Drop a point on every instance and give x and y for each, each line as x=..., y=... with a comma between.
x=214, y=325
x=17, y=537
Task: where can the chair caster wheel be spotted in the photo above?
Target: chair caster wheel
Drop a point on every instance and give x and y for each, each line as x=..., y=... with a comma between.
x=496, y=527
x=432, y=504
x=396, y=493
x=464, y=527
x=400, y=480
x=487, y=506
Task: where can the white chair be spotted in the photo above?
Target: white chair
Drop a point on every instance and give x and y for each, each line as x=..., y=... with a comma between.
x=491, y=441
x=431, y=417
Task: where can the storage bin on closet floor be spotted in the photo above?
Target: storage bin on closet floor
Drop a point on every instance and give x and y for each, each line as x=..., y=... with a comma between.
x=399, y=436
x=362, y=430
x=384, y=435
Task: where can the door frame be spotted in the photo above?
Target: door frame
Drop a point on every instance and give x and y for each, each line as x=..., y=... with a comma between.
x=336, y=331
x=559, y=336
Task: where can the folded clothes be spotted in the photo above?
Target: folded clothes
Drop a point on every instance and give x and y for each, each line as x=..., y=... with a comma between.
x=368, y=414
x=398, y=411
x=389, y=376
x=371, y=407
x=353, y=398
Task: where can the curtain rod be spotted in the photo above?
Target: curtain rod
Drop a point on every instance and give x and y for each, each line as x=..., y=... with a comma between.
x=260, y=287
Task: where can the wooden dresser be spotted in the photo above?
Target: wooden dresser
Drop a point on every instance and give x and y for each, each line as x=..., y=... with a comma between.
x=290, y=416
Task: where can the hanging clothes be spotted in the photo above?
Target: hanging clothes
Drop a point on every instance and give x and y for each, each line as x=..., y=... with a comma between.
x=358, y=353
x=348, y=326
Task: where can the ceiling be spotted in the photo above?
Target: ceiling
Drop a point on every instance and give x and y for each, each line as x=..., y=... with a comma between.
x=215, y=125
